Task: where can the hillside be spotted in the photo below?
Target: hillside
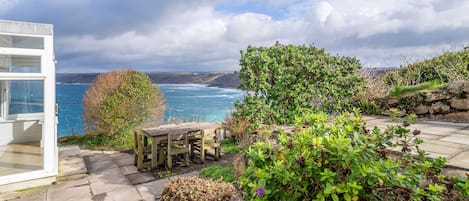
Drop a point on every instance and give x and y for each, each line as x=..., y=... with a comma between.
x=224, y=80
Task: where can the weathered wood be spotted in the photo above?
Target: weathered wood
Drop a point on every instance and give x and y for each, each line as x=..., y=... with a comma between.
x=167, y=133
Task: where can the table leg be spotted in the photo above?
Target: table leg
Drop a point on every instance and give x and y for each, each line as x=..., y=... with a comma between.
x=139, y=152
x=169, y=158
x=154, y=153
x=202, y=147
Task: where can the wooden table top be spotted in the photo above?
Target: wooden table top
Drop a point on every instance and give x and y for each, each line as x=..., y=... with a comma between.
x=170, y=129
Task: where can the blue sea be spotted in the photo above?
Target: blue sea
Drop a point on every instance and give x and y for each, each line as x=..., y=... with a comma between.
x=184, y=102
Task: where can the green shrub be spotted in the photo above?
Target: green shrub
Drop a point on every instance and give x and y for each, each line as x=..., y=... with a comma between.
x=119, y=101
x=194, y=188
x=343, y=160
x=219, y=172
x=285, y=81
x=229, y=146
x=446, y=67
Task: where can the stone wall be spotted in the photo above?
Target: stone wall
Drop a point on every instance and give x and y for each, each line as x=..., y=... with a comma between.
x=450, y=103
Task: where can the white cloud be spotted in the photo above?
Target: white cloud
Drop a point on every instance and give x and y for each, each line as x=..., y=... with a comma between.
x=200, y=37
x=6, y=5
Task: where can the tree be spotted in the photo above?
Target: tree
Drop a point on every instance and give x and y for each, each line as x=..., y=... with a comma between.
x=119, y=101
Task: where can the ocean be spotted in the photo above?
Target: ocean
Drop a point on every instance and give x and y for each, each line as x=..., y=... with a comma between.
x=184, y=102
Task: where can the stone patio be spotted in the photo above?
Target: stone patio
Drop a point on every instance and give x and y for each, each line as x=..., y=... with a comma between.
x=86, y=175
x=446, y=139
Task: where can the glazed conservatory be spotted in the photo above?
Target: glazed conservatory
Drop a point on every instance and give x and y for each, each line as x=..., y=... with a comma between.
x=28, y=144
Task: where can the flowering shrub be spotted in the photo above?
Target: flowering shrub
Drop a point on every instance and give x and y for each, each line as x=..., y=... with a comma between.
x=194, y=188
x=344, y=160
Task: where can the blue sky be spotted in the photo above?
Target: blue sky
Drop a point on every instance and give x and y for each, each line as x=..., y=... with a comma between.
x=207, y=35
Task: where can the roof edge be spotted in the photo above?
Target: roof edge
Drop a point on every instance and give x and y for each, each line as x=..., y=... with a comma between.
x=19, y=27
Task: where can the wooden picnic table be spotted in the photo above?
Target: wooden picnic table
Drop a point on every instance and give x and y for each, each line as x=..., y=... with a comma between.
x=163, y=133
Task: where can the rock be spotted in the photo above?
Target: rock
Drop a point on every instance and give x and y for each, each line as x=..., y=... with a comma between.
x=435, y=95
x=393, y=101
x=466, y=88
x=456, y=87
x=459, y=103
x=421, y=109
x=454, y=116
x=439, y=107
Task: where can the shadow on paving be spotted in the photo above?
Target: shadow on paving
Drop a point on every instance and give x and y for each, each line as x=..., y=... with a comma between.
x=179, y=169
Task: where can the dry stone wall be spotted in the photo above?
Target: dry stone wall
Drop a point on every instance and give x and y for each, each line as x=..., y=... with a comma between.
x=449, y=103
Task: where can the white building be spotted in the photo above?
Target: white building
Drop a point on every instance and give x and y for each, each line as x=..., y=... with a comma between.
x=28, y=139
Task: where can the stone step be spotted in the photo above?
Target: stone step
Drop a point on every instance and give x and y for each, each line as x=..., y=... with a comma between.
x=71, y=162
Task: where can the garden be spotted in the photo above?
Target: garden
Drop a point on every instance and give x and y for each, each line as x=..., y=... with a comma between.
x=298, y=133
x=327, y=152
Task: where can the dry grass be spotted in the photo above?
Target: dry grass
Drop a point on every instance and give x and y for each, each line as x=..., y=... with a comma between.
x=375, y=85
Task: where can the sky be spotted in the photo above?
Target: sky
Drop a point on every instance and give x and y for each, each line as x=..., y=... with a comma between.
x=208, y=35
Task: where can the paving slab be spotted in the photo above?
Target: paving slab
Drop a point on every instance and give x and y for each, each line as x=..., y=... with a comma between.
x=100, y=166
x=79, y=193
x=128, y=169
x=442, y=149
x=124, y=160
x=88, y=152
x=107, y=181
x=69, y=151
x=447, y=144
x=42, y=196
x=126, y=194
x=463, y=131
x=31, y=194
x=439, y=130
x=454, y=172
x=72, y=183
x=72, y=165
x=141, y=177
x=430, y=136
x=97, y=158
x=152, y=190
x=461, y=160
x=457, y=138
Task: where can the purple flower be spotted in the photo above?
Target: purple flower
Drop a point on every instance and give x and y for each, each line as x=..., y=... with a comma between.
x=260, y=191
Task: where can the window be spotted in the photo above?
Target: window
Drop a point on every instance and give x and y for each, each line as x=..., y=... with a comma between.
x=20, y=64
x=28, y=42
x=25, y=96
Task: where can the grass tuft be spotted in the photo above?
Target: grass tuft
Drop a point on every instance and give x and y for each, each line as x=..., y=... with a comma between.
x=219, y=172
x=229, y=146
x=401, y=90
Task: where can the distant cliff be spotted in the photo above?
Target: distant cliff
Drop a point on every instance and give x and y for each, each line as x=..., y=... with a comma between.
x=224, y=80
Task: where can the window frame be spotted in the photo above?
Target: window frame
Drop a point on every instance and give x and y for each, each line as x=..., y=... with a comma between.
x=13, y=76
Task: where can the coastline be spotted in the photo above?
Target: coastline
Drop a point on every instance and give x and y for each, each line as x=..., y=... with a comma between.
x=221, y=80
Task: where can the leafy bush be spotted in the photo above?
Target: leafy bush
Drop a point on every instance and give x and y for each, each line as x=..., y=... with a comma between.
x=219, y=172
x=119, y=101
x=285, y=81
x=194, y=188
x=447, y=67
x=344, y=160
